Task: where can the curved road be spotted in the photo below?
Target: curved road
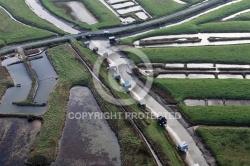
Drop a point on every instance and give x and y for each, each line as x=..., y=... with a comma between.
x=135, y=28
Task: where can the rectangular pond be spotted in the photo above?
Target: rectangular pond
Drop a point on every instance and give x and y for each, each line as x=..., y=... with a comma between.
x=77, y=11
x=171, y=76
x=129, y=10
x=123, y=5
x=86, y=140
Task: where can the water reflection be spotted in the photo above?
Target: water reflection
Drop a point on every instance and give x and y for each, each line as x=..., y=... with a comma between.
x=87, y=141
x=77, y=11
x=47, y=80
x=36, y=7
x=17, y=137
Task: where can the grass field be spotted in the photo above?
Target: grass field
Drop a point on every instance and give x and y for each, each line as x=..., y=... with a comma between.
x=22, y=12
x=205, y=88
x=5, y=80
x=235, y=54
x=231, y=146
x=159, y=8
x=242, y=17
x=157, y=135
x=21, y=33
x=210, y=88
x=210, y=22
x=218, y=115
x=105, y=17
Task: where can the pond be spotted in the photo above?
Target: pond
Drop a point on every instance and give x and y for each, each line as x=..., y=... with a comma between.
x=37, y=8
x=141, y=15
x=216, y=102
x=47, y=81
x=17, y=137
x=129, y=10
x=77, y=11
x=123, y=5
x=86, y=140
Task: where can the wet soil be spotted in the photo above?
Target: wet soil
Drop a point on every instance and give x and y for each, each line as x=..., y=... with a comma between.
x=87, y=140
x=16, y=139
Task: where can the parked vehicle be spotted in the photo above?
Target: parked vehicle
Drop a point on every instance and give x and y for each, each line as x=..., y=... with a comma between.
x=183, y=146
x=161, y=120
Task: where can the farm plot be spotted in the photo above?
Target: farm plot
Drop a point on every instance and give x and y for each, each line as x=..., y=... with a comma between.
x=22, y=33
x=229, y=145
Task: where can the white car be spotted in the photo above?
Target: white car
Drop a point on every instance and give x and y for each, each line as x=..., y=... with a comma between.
x=106, y=32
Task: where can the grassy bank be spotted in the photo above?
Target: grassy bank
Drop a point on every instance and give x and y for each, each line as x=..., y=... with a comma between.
x=30, y=99
x=242, y=17
x=105, y=17
x=159, y=8
x=218, y=115
x=235, y=54
x=22, y=32
x=71, y=72
x=5, y=80
x=181, y=89
x=157, y=135
x=210, y=22
x=229, y=145
x=22, y=12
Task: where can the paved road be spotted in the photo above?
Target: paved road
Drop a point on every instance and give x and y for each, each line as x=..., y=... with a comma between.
x=136, y=28
x=174, y=127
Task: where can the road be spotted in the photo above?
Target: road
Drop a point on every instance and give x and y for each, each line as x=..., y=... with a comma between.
x=176, y=130
x=135, y=28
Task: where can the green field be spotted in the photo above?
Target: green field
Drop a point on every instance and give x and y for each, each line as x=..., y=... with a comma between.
x=105, y=17
x=242, y=17
x=210, y=88
x=21, y=33
x=218, y=115
x=234, y=54
x=22, y=12
x=182, y=89
x=5, y=80
x=159, y=8
x=231, y=146
x=210, y=22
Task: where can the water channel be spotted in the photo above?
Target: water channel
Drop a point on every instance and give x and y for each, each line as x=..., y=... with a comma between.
x=47, y=80
x=203, y=36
